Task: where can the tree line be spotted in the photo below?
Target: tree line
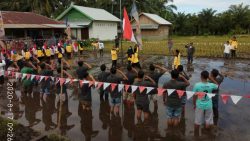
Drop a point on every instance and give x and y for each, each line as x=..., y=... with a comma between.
x=235, y=20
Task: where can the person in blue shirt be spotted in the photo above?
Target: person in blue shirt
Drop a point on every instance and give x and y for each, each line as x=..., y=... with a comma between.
x=203, y=106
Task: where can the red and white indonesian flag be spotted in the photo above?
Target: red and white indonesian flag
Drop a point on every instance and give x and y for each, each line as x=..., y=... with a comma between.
x=2, y=33
x=127, y=29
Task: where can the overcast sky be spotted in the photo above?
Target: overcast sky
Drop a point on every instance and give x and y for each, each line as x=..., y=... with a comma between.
x=195, y=6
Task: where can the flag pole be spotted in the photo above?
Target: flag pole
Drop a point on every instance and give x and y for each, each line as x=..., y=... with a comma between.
x=121, y=30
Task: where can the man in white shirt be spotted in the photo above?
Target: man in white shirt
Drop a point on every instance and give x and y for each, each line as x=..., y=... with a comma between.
x=101, y=47
x=227, y=48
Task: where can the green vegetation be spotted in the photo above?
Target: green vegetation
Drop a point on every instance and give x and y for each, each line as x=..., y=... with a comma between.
x=206, y=46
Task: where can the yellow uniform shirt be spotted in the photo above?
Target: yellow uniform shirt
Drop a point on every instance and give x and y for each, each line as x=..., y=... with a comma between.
x=60, y=55
x=48, y=52
x=234, y=44
x=40, y=53
x=68, y=49
x=80, y=48
x=114, y=54
x=135, y=58
x=27, y=55
x=177, y=61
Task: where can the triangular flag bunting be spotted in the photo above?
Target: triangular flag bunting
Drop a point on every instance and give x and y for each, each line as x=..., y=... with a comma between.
x=24, y=75
x=120, y=87
x=224, y=98
x=149, y=89
x=105, y=85
x=67, y=81
x=41, y=78
x=6, y=73
x=113, y=86
x=37, y=77
x=57, y=80
x=28, y=76
x=170, y=91
x=52, y=78
x=210, y=95
x=142, y=88
x=46, y=78
x=189, y=94
x=127, y=87
x=99, y=85
x=235, y=98
x=81, y=83
x=71, y=81
x=13, y=74
x=96, y=84
x=180, y=93
x=32, y=77
x=200, y=94
x=160, y=91
x=134, y=88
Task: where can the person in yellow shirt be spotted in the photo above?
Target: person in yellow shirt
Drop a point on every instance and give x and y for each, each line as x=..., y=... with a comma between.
x=80, y=47
x=26, y=54
x=135, y=58
x=47, y=52
x=69, y=50
x=40, y=54
x=114, y=56
x=234, y=45
x=177, y=59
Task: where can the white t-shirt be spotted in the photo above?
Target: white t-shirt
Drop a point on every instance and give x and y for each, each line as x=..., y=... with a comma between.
x=2, y=67
x=101, y=45
x=227, y=48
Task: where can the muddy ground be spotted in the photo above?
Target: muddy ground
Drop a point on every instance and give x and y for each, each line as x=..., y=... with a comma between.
x=98, y=125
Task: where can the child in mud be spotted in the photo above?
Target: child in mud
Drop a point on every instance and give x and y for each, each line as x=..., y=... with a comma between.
x=203, y=106
x=102, y=77
x=215, y=76
x=131, y=74
x=155, y=75
x=227, y=48
x=85, y=93
x=115, y=94
x=142, y=100
x=173, y=102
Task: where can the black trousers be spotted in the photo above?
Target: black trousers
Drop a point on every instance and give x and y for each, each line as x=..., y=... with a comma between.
x=233, y=53
x=114, y=63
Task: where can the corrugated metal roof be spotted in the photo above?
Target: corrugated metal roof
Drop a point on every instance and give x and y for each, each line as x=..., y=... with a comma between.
x=147, y=26
x=13, y=17
x=34, y=26
x=157, y=19
x=95, y=14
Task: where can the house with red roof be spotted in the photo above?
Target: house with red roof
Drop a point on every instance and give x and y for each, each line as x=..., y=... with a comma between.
x=29, y=24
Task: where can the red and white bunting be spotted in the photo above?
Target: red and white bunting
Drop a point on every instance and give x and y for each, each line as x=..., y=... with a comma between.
x=24, y=75
x=105, y=85
x=170, y=91
x=142, y=88
x=210, y=95
x=28, y=76
x=200, y=94
x=32, y=77
x=189, y=94
x=18, y=75
x=133, y=88
x=62, y=81
x=67, y=80
x=91, y=83
x=71, y=81
x=37, y=77
x=99, y=85
x=120, y=87
x=180, y=93
x=149, y=89
x=41, y=78
x=113, y=86
x=235, y=98
x=224, y=98
x=52, y=78
x=96, y=84
x=127, y=87
x=81, y=83
x=46, y=78
x=160, y=91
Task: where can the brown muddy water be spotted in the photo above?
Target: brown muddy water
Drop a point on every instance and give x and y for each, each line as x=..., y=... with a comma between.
x=98, y=125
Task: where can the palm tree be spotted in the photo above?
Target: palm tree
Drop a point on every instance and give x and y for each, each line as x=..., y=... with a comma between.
x=206, y=19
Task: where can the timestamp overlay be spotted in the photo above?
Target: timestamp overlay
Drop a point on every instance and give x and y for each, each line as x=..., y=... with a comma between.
x=10, y=124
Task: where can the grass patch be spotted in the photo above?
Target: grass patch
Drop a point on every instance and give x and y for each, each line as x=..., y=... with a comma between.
x=206, y=46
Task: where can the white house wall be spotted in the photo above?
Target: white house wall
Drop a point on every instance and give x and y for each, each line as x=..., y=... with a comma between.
x=103, y=30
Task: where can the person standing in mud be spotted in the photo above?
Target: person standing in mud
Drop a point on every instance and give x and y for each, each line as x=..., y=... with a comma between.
x=102, y=77
x=170, y=45
x=203, y=106
x=190, y=52
x=115, y=94
x=135, y=58
x=172, y=100
x=130, y=52
x=101, y=48
x=234, y=45
x=155, y=75
x=142, y=100
x=83, y=67
x=177, y=59
x=227, y=48
x=114, y=56
x=215, y=76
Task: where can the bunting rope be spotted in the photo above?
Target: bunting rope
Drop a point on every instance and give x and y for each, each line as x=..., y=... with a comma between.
x=105, y=85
